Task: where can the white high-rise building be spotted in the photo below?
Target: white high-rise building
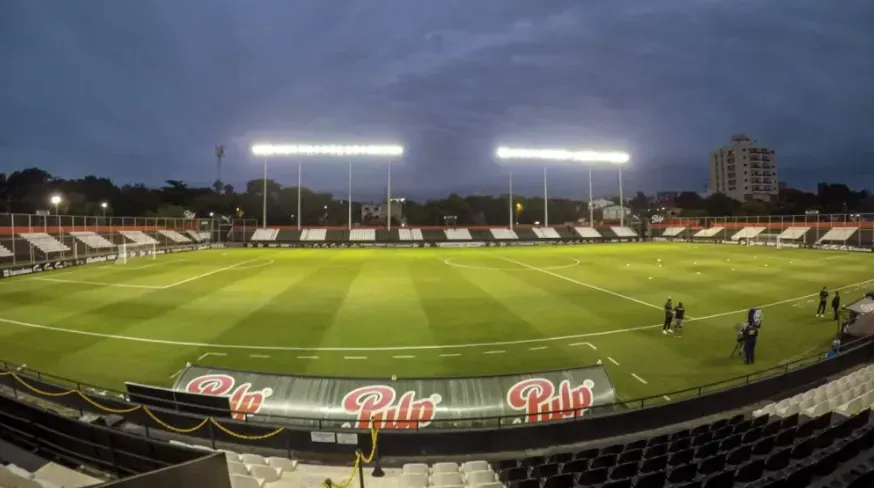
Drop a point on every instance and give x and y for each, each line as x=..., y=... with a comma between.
x=744, y=170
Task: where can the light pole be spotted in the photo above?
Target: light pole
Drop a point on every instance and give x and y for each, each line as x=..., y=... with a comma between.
x=103, y=206
x=325, y=151
x=563, y=155
x=56, y=200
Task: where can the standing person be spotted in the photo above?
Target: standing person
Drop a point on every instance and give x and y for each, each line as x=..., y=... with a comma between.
x=823, y=298
x=750, y=334
x=836, y=304
x=679, y=314
x=669, y=317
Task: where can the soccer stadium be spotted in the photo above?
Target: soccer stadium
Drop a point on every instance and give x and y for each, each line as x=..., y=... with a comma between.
x=481, y=356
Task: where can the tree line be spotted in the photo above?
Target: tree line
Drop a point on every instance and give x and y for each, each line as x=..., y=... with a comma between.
x=30, y=190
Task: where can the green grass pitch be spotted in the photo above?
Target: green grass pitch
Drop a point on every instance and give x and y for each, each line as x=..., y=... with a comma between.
x=426, y=312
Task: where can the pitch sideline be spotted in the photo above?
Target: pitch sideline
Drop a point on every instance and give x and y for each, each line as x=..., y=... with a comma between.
x=395, y=348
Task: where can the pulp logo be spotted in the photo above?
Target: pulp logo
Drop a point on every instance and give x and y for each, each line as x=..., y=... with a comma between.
x=243, y=400
x=377, y=402
x=537, y=397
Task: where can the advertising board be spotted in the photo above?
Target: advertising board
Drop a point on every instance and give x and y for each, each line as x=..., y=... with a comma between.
x=419, y=403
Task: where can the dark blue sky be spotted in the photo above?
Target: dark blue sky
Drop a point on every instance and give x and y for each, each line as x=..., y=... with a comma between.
x=142, y=90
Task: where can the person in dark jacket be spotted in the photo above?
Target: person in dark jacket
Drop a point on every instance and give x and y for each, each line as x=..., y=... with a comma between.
x=836, y=304
x=669, y=317
x=679, y=315
x=823, y=298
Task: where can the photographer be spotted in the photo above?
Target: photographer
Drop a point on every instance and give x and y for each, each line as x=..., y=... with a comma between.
x=750, y=334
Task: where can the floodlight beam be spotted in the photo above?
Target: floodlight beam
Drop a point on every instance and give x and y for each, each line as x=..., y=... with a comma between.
x=329, y=150
x=581, y=156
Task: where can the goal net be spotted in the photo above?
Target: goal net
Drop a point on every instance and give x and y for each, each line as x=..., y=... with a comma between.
x=135, y=251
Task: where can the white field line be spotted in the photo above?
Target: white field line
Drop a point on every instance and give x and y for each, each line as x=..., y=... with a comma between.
x=666, y=397
x=174, y=375
x=638, y=378
x=147, y=287
x=453, y=355
x=399, y=348
x=612, y=360
x=207, y=354
x=210, y=273
x=307, y=357
x=538, y=348
x=403, y=357
x=354, y=357
x=592, y=346
x=494, y=352
x=571, y=280
x=261, y=356
x=98, y=283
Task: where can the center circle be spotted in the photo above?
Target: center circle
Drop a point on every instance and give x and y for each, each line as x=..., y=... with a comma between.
x=459, y=263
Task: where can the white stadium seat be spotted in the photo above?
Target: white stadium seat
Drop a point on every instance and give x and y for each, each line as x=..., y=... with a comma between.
x=174, y=236
x=673, y=231
x=503, y=234
x=747, y=233
x=458, y=234
x=588, y=232
x=410, y=234
x=362, y=235
x=264, y=235
x=45, y=242
x=138, y=236
x=546, y=233
x=240, y=481
x=793, y=233
x=709, y=232
x=840, y=234
x=624, y=232
x=313, y=234
x=93, y=240
x=4, y=252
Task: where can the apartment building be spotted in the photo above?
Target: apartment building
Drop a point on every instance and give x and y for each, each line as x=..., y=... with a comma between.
x=744, y=170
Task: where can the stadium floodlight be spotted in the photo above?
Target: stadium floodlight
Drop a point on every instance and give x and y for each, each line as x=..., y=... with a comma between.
x=617, y=158
x=56, y=200
x=103, y=206
x=331, y=151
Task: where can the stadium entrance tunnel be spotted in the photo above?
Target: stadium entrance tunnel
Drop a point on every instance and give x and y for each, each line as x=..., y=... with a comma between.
x=497, y=263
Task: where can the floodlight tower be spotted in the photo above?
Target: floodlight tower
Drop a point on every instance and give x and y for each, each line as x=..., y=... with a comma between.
x=325, y=151
x=563, y=155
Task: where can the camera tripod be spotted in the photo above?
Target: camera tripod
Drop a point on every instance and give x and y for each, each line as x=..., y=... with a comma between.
x=738, y=350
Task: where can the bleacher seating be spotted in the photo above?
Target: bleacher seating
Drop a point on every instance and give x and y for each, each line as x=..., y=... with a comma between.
x=709, y=232
x=362, y=235
x=624, y=232
x=546, y=233
x=313, y=234
x=5, y=252
x=93, y=240
x=44, y=242
x=673, y=231
x=457, y=234
x=588, y=232
x=838, y=234
x=762, y=452
x=264, y=235
x=793, y=233
x=138, y=237
x=846, y=395
x=503, y=234
x=410, y=235
x=747, y=233
x=174, y=236
x=50, y=475
x=199, y=236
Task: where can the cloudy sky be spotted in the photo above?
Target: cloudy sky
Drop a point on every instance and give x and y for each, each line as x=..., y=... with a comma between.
x=142, y=90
